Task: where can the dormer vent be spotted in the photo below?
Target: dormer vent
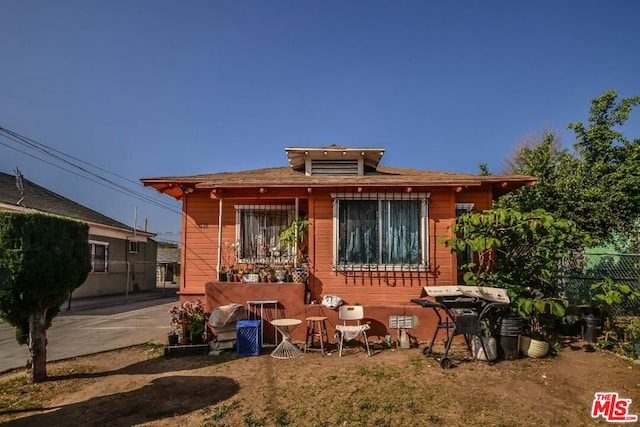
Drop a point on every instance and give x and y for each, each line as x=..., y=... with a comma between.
x=334, y=167
x=334, y=160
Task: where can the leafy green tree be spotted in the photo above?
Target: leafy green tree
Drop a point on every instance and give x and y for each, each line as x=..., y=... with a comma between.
x=42, y=259
x=612, y=163
x=597, y=185
x=484, y=169
x=520, y=252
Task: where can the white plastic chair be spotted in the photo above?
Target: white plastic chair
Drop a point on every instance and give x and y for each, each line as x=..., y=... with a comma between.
x=348, y=331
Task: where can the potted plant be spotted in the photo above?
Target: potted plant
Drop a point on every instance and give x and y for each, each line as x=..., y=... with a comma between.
x=295, y=234
x=229, y=252
x=173, y=337
x=539, y=317
x=194, y=319
x=280, y=275
x=189, y=319
x=520, y=252
x=251, y=274
x=196, y=329
x=178, y=315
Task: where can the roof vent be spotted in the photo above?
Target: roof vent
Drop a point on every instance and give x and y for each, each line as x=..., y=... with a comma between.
x=335, y=167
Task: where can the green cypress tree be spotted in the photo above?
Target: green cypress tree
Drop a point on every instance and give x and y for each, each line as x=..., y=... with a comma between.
x=43, y=258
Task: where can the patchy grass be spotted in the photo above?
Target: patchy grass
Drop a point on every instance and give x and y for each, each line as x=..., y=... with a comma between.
x=137, y=386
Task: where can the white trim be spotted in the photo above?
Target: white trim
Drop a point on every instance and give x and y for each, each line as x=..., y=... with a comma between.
x=95, y=243
x=98, y=242
x=425, y=230
x=219, y=263
x=136, y=248
x=465, y=206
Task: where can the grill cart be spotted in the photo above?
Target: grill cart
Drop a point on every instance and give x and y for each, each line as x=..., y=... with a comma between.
x=460, y=311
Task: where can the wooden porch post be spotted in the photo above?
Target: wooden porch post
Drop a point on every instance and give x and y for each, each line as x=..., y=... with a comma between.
x=219, y=238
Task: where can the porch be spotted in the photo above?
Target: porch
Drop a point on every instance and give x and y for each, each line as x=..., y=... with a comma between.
x=290, y=299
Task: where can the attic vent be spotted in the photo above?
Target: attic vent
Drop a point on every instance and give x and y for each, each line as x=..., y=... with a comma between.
x=334, y=167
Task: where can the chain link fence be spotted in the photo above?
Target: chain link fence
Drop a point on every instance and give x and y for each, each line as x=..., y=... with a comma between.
x=579, y=272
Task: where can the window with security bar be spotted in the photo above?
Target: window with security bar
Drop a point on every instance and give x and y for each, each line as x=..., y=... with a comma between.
x=467, y=256
x=99, y=256
x=387, y=231
x=259, y=229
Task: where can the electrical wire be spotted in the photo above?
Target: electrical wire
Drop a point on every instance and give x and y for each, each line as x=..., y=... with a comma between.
x=22, y=139
x=38, y=144
x=13, y=136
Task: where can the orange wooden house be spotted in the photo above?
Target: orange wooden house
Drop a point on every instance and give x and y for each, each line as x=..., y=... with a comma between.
x=374, y=233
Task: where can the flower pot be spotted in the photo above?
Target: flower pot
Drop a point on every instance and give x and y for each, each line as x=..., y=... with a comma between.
x=251, y=278
x=299, y=275
x=533, y=348
x=173, y=338
x=592, y=324
x=281, y=276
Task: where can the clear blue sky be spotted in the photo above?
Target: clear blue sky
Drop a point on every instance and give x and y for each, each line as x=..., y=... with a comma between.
x=148, y=88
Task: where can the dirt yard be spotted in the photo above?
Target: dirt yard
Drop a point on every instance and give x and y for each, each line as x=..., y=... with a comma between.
x=138, y=386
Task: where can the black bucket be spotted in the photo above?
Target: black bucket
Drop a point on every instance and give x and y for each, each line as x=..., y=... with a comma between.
x=591, y=328
x=509, y=348
x=509, y=328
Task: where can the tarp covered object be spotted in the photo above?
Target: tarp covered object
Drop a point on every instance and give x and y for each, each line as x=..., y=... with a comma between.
x=225, y=314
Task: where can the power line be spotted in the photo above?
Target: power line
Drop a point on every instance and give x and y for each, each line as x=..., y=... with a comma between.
x=24, y=141
x=13, y=136
x=37, y=144
x=126, y=192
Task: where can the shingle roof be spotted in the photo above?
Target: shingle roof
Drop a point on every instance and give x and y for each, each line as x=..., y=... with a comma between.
x=287, y=177
x=43, y=200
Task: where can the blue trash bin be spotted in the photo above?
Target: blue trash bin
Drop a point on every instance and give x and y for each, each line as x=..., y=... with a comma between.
x=248, y=338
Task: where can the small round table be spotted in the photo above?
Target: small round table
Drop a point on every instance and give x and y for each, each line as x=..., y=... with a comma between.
x=285, y=350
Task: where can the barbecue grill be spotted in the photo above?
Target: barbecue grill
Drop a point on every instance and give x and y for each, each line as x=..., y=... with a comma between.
x=460, y=311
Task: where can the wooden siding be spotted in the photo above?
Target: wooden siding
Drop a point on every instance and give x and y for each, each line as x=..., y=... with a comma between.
x=199, y=241
x=373, y=288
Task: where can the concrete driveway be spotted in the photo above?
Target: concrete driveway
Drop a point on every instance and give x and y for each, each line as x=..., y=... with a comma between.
x=95, y=325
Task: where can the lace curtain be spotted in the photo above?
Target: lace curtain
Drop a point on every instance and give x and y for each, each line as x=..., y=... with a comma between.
x=260, y=233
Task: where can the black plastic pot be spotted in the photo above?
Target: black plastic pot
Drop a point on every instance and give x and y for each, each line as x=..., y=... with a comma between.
x=173, y=339
x=591, y=328
x=509, y=328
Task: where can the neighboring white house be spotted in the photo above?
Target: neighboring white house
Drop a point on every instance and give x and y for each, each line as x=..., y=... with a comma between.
x=122, y=259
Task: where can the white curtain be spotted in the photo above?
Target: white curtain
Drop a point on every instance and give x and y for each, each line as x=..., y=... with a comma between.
x=260, y=233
